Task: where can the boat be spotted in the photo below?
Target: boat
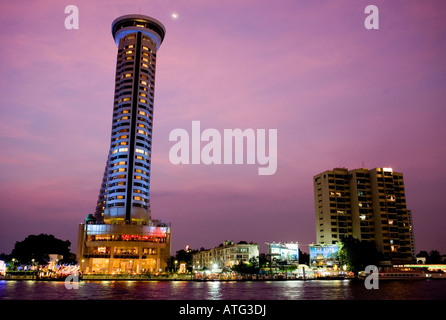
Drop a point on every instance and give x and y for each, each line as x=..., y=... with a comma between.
x=398, y=274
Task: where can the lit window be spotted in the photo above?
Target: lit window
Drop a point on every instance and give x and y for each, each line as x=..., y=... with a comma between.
x=129, y=52
x=139, y=150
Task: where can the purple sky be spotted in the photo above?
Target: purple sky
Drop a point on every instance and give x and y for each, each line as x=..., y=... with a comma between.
x=338, y=94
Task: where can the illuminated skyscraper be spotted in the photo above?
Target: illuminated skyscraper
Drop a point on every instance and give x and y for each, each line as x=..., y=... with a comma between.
x=123, y=209
x=125, y=193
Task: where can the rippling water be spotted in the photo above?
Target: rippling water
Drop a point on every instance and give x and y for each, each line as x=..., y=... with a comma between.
x=231, y=290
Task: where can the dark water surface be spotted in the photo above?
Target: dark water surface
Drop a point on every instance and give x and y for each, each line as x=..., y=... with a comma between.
x=231, y=290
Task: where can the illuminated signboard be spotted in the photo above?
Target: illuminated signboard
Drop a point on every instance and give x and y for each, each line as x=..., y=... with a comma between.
x=2, y=268
x=324, y=254
x=288, y=252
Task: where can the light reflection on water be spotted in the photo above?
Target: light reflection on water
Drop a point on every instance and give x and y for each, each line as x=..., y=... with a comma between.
x=227, y=290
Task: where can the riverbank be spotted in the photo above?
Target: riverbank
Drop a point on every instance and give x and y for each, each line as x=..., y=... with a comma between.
x=162, y=278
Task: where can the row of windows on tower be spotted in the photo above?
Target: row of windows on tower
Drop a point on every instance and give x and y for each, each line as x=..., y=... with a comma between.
x=124, y=170
x=141, y=184
x=122, y=197
x=124, y=157
x=124, y=177
x=120, y=141
x=124, y=103
x=148, y=100
x=131, y=45
x=122, y=190
x=129, y=60
x=124, y=125
x=124, y=163
x=125, y=68
x=122, y=204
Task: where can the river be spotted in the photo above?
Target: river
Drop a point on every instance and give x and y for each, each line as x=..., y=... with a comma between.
x=224, y=290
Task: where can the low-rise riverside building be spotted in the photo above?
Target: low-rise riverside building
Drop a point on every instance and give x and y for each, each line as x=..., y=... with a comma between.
x=225, y=256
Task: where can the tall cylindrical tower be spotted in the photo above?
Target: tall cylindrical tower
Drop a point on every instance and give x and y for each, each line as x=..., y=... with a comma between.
x=124, y=196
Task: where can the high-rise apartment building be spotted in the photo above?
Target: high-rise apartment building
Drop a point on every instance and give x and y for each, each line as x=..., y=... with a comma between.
x=366, y=204
x=122, y=237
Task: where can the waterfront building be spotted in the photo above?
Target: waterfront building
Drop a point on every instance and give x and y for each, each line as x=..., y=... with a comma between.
x=225, y=255
x=121, y=236
x=368, y=205
x=283, y=253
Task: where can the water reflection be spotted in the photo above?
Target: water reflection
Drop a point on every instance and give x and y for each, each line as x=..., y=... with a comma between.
x=214, y=290
x=226, y=290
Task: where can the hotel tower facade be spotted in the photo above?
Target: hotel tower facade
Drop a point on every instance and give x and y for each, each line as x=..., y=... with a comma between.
x=121, y=236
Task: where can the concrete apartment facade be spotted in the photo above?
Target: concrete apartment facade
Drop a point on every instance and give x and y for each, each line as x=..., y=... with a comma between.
x=368, y=205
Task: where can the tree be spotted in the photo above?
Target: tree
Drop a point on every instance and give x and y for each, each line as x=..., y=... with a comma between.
x=304, y=258
x=434, y=257
x=39, y=247
x=357, y=255
x=251, y=267
x=185, y=256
